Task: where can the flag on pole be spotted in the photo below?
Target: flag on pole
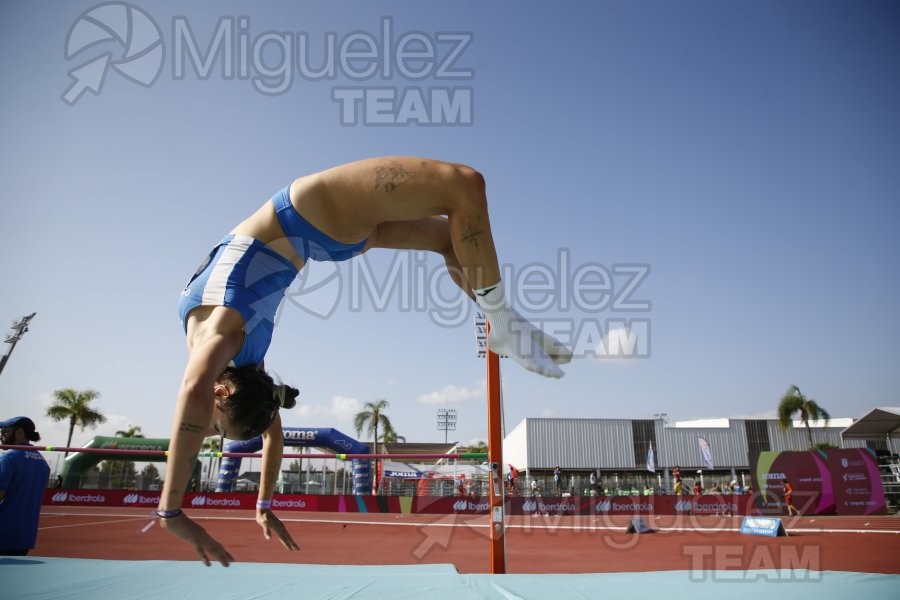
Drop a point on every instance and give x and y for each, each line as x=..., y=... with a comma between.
x=705, y=453
x=651, y=459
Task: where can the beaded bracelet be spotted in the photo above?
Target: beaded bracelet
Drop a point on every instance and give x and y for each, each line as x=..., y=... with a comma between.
x=263, y=504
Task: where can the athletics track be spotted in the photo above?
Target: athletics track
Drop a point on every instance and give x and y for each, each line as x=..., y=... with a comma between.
x=344, y=555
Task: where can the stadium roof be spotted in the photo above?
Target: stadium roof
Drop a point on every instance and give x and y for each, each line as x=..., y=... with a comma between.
x=875, y=424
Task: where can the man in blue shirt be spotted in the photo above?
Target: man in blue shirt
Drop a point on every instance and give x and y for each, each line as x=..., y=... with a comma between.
x=23, y=477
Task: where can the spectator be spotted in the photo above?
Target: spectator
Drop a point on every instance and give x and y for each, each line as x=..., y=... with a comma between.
x=557, y=480
x=697, y=489
x=513, y=480
x=23, y=477
x=789, y=498
x=679, y=487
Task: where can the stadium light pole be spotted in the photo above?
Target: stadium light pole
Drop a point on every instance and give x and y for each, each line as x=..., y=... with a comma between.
x=19, y=328
x=446, y=420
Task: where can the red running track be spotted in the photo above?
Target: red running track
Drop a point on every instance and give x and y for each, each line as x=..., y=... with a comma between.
x=533, y=544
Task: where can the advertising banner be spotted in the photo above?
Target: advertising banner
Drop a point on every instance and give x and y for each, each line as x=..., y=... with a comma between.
x=856, y=482
x=769, y=527
x=434, y=505
x=808, y=475
x=825, y=482
x=442, y=505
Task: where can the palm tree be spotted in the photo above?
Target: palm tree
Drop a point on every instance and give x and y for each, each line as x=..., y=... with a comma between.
x=391, y=437
x=75, y=406
x=370, y=418
x=478, y=446
x=133, y=431
x=794, y=401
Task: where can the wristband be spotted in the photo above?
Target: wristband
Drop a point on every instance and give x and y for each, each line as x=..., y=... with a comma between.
x=263, y=504
x=161, y=514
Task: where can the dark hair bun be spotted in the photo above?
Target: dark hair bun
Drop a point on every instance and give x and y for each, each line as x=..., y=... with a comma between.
x=286, y=395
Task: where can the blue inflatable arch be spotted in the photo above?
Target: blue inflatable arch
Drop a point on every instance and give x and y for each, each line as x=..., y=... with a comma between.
x=306, y=437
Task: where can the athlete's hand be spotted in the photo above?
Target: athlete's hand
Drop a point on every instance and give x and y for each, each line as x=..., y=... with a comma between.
x=271, y=524
x=204, y=545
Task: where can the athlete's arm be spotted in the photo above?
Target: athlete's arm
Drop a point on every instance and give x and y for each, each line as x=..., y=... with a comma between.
x=193, y=414
x=272, y=453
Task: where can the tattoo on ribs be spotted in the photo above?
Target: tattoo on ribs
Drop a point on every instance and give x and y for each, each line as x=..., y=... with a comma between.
x=391, y=176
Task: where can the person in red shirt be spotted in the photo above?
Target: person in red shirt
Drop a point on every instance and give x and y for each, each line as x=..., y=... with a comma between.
x=789, y=498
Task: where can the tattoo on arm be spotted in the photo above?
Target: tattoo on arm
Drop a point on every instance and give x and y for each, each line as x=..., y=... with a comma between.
x=389, y=177
x=472, y=235
x=190, y=428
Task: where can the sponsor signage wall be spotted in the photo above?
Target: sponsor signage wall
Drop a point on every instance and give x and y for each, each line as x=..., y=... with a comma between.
x=825, y=482
x=613, y=505
x=856, y=482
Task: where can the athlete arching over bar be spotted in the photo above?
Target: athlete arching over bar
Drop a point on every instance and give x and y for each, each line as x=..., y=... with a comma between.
x=228, y=307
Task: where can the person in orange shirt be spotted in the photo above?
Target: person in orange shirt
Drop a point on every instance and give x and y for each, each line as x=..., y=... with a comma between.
x=789, y=498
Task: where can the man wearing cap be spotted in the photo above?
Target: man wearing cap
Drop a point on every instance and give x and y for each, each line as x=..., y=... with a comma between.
x=23, y=477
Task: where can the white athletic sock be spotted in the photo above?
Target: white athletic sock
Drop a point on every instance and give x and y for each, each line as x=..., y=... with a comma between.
x=512, y=335
x=492, y=300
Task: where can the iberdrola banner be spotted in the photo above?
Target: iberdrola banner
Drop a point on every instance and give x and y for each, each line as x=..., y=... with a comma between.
x=824, y=482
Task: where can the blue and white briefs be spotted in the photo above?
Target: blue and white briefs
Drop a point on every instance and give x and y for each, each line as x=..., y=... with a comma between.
x=309, y=242
x=244, y=274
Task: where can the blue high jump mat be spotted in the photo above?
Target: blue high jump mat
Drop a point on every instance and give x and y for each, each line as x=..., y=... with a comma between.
x=40, y=578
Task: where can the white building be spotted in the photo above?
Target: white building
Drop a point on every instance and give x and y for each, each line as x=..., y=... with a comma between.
x=539, y=444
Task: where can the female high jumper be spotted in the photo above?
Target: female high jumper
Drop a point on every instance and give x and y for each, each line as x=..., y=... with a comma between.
x=228, y=307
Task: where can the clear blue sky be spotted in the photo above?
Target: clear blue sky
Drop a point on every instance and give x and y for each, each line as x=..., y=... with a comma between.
x=746, y=153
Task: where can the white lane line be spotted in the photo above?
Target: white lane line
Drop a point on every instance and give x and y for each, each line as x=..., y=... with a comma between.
x=94, y=522
x=444, y=521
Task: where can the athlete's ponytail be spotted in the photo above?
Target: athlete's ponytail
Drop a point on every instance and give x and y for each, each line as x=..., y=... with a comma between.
x=286, y=395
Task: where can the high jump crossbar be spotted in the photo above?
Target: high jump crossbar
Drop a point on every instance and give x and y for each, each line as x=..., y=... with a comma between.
x=113, y=451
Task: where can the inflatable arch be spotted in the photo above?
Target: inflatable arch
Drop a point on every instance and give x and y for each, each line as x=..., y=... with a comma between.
x=78, y=463
x=307, y=437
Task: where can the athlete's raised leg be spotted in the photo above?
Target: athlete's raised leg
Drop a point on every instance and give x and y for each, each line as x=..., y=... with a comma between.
x=401, y=203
